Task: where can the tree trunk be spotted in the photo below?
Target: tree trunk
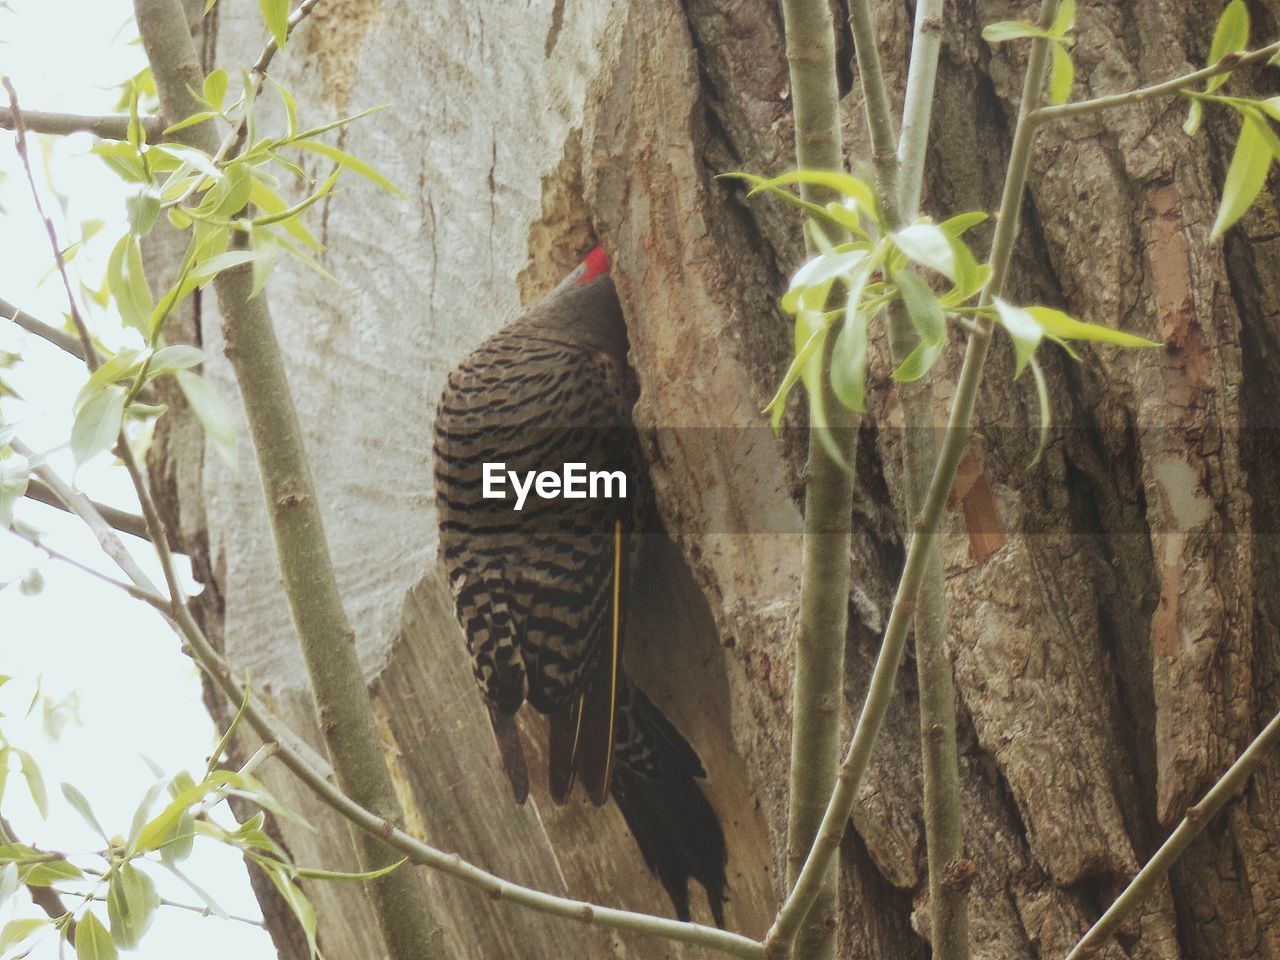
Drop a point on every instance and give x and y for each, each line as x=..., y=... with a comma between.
x=1115, y=610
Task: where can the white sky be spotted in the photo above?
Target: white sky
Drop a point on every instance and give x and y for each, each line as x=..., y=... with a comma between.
x=138, y=695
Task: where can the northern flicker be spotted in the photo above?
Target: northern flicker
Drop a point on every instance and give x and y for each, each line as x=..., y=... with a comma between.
x=542, y=592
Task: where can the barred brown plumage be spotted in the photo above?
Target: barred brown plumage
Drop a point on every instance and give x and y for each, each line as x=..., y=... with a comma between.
x=541, y=593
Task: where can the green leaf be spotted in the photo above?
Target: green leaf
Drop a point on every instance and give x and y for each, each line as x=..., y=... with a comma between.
x=213, y=413
x=296, y=899
x=833, y=213
x=92, y=940
x=922, y=306
x=1061, y=326
x=180, y=356
x=142, y=813
x=1062, y=75
x=918, y=362
x=128, y=283
x=224, y=741
x=348, y=161
x=1023, y=329
x=961, y=223
x=142, y=207
x=1246, y=176
x=310, y=874
x=177, y=846
x=1004, y=30
x=1231, y=35
x=49, y=872
x=80, y=803
x=811, y=344
x=190, y=121
x=18, y=931
x=1261, y=127
x=297, y=208
x=928, y=245
x=232, y=194
x=215, y=89
x=9, y=881
x=122, y=158
x=816, y=275
x=97, y=424
x=197, y=159
x=266, y=199
x=290, y=108
x=35, y=781
x=845, y=184
x=159, y=828
x=1270, y=106
x=849, y=361
x=1046, y=410
x=1065, y=20
x=206, y=270
x=15, y=472
x=121, y=366
x=276, y=15
x=1195, y=115
x=131, y=905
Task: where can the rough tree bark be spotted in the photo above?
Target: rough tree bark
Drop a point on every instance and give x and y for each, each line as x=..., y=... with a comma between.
x=1115, y=610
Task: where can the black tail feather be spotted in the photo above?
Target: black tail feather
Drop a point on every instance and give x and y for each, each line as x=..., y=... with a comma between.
x=675, y=827
x=507, y=736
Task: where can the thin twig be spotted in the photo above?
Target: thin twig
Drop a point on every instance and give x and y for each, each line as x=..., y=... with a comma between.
x=300, y=13
x=138, y=593
x=164, y=902
x=234, y=140
x=107, y=127
x=959, y=427
x=59, y=338
x=131, y=523
x=155, y=524
x=1193, y=822
x=77, y=503
x=884, y=143
x=20, y=144
x=1230, y=62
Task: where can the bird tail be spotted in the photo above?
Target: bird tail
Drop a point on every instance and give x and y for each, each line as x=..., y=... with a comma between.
x=655, y=785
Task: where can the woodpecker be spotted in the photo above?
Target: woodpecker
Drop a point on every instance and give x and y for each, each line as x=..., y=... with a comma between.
x=542, y=592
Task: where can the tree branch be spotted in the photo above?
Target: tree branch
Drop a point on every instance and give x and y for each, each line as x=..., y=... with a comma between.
x=1193, y=822
x=944, y=828
x=310, y=584
x=130, y=523
x=20, y=144
x=955, y=440
x=818, y=688
x=77, y=503
x=884, y=144
x=1230, y=62
x=108, y=126
x=59, y=338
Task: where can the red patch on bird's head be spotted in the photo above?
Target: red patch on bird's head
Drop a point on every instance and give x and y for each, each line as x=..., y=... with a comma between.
x=596, y=263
